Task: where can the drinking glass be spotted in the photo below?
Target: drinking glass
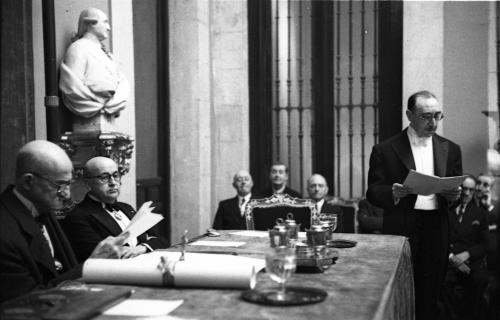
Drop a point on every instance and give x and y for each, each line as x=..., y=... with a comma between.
x=280, y=264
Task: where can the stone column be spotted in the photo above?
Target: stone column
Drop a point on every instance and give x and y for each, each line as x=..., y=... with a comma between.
x=209, y=138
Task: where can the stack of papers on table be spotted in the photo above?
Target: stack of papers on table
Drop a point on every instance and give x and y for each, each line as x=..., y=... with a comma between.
x=198, y=270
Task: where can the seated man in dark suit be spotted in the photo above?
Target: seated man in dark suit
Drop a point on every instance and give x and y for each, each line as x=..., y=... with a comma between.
x=100, y=215
x=279, y=178
x=34, y=252
x=317, y=187
x=467, y=275
x=370, y=217
x=231, y=212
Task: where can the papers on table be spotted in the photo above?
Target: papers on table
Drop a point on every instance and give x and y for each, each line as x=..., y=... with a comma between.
x=217, y=243
x=143, y=220
x=252, y=233
x=143, y=308
x=198, y=270
x=424, y=184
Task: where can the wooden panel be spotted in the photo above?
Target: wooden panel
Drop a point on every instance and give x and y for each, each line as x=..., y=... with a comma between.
x=16, y=84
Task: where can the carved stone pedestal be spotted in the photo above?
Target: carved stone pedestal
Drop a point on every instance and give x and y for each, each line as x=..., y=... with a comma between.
x=94, y=137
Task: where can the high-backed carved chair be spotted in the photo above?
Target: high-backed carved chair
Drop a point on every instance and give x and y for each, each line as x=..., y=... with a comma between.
x=261, y=214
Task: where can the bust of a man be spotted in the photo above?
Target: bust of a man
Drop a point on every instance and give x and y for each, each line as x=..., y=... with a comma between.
x=90, y=80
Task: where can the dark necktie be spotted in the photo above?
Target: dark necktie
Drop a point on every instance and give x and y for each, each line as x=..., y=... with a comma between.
x=115, y=209
x=103, y=47
x=42, y=221
x=461, y=211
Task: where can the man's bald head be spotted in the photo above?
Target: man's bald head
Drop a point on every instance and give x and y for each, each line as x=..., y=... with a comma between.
x=243, y=183
x=43, y=157
x=43, y=174
x=103, y=179
x=317, y=187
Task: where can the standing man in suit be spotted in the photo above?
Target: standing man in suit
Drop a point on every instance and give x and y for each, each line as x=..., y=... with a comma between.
x=279, y=178
x=231, y=212
x=424, y=219
x=34, y=252
x=467, y=259
x=317, y=187
x=100, y=215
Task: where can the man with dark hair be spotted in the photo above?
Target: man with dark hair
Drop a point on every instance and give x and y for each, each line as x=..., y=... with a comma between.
x=34, y=252
x=422, y=218
x=467, y=260
x=100, y=214
x=230, y=214
x=279, y=179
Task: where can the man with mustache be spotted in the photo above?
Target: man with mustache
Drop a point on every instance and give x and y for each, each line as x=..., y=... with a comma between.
x=421, y=218
x=100, y=214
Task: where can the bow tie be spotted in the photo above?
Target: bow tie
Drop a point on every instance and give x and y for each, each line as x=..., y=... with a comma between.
x=111, y=207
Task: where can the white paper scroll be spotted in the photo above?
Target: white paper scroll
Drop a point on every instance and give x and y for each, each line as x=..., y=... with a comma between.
x=197, y=270
x=143, y=220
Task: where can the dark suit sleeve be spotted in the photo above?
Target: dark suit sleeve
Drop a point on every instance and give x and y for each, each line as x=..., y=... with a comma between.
x=379, y=188
x=368, y=218
x=218, y=220
x=81, y=234
x=478, y=250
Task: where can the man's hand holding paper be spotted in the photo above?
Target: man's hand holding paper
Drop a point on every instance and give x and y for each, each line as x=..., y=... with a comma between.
x=423, y=184
x=142, y=221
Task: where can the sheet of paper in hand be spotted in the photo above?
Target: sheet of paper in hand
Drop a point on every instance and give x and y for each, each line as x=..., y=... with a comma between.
x=424, y=184
x=143, y=220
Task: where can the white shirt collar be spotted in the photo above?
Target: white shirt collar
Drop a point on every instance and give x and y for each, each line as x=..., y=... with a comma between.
x=27, y=203
x=280, y=190
x=417, y=141
x=247, y=197
x=319, y=204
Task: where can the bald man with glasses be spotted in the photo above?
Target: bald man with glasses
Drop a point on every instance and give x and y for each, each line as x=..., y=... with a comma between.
x=34, y=252
x=100, y=215
x=421, y=218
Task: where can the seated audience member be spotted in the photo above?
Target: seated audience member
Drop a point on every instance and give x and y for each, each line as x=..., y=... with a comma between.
x=467, y=275
x=100, y=215
x=370, y=217
x=317, y=187
x=34, y=252
x=483, y=199
x=231, y=212
x=279, y=178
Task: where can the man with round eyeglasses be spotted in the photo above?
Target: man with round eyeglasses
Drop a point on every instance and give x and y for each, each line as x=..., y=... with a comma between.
x=100, y=214
x=421, y=218
x=34, y=252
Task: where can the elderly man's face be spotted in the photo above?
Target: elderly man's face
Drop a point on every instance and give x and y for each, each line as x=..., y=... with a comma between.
x=243, y=183
x=101, y=28
x=483, y=187
x=105, y=181
x=51, y=188
x=424, y=119
x=278, y=175
x=468, y=188
x=317, y=188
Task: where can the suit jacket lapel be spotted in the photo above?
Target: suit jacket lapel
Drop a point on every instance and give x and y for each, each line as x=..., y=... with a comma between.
x=403, y=150
x=440, y=149
x=39, y=247
x=102, y=216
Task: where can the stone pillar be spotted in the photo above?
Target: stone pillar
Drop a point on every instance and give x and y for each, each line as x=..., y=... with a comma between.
x=209, y=138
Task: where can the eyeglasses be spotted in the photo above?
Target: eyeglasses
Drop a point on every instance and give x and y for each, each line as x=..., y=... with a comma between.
x=60, y=185
x=429, y=116
x=106, y=177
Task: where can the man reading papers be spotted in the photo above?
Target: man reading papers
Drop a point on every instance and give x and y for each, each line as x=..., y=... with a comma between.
x=424, y=219
x=100, y=214
x=34, y=252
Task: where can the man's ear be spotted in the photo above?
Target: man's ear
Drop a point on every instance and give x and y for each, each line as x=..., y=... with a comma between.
x=26, y=181
x=409, y=114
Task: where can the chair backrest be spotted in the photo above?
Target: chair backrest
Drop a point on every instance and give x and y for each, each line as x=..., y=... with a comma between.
x=261, y=214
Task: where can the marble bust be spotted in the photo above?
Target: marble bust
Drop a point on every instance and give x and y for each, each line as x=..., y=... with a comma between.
x=90, y=80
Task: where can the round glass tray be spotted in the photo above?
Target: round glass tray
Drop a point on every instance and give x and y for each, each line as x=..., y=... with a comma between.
x=295, y=296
